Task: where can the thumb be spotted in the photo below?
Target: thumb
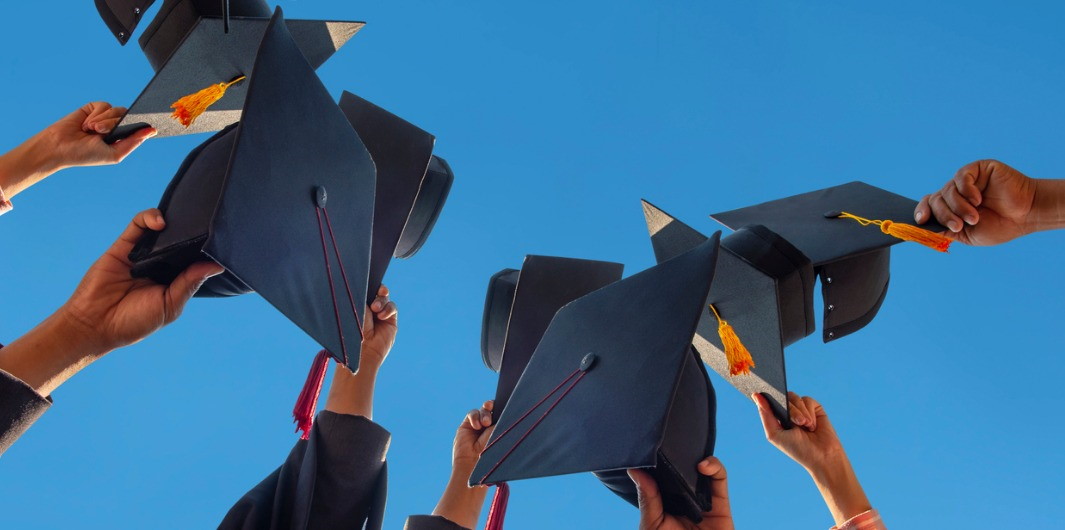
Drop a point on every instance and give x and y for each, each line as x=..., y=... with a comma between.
x=185, y=285
x=769, y=421
x=122, y=148
x=651, y=512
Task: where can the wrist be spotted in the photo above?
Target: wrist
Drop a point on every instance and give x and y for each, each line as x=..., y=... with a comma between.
x=461, y=503
x=1048, y=205
x=840, y=488
x=77, y=330
x=27, y=164
x=49, y=354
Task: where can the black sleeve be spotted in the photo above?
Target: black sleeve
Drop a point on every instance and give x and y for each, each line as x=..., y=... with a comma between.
x=20, y=406
x=332, y=480
x=431, y=522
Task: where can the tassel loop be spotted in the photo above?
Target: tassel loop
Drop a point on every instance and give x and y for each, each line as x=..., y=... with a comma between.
x=905, y=232
x=303, y=412
x=190, y=107
x=498, y=511
x=739, y=358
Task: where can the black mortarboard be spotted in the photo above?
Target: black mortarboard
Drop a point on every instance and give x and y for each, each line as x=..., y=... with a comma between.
x=412, y=183
x=193, y=52
x=851, y=260
x=261, y=198
x=763, y=288
x=520, y=304
x=614, y=384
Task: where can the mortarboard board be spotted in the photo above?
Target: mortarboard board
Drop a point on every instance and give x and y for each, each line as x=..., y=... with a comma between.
x=260, y=198
x=199, y=54
x=519, y=306
x=851, y=260
x=763, y=289
x=412, y=183
x=614, y=384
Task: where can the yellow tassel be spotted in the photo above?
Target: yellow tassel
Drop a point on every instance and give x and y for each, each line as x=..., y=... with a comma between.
x=739, y=359
x=188, y=108
x=906, y=232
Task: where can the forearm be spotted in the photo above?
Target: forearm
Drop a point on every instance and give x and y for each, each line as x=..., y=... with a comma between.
x=26, y=165
x=352, y=393
x=461, y=503
x=49, y=354
x=1048, y=207
x=841, y=490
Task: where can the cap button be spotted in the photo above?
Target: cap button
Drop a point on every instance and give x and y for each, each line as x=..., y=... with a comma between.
x=320, y=196
x=832, y=214
x=828, y=279
x=588, y=362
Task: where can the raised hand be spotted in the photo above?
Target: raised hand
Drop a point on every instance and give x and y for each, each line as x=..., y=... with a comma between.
x=813, y=443
x=109, y=309
x=986, y=203
x=113, y=309
x=654, y=517
x=461, y=503
x=75, y=140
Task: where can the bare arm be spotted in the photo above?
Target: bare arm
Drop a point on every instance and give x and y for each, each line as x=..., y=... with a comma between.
x=353, y=393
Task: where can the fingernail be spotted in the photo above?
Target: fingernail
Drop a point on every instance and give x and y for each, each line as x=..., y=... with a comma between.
x=99, y=127
x=918, y=216
x=970, y=219
x=376, y=306
x=796, y=420
x=953, y=226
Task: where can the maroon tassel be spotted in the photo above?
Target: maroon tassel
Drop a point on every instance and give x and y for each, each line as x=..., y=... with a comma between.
x=303, y=412
x=498, y=511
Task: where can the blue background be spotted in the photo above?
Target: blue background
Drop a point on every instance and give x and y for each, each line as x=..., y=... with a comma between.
x=557, y=117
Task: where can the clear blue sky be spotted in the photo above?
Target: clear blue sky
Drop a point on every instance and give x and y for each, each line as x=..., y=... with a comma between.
x=557, y=117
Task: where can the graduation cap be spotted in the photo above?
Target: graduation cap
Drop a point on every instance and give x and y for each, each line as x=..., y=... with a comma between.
x=202, y=52
x=847, y=232
x=412, y=182
x=284, y=200
x=761, y=301
x=519, y=306
x=613, y=385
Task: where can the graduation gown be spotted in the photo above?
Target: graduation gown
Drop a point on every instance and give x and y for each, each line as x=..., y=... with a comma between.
x=335, y=479
x=431, y=522
x=20, y=406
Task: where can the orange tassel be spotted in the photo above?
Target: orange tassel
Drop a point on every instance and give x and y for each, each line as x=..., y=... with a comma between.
x=188, y=108
x=740, y=361
x=906, y=232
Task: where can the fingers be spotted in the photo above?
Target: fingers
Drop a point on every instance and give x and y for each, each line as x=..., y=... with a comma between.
x=965, y=181
x=382, y=307
x=489, y=405
x=480, y=418
x=959, y=205
x=769, y=421
x=473, y=418
x=943, y=213
x=713, y=468
x=922, y=212
x=185, y=285
x=151, y=219
x=103, y=122
x=799, y=415
x=818, y=412
x=651, y=512
x=122, y=148
x=87, y=111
